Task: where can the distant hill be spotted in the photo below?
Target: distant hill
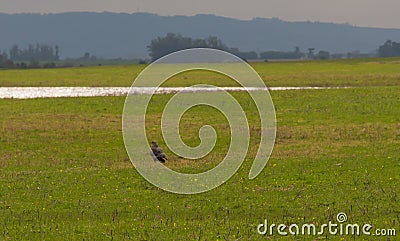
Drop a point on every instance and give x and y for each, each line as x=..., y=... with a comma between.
x=127, y=35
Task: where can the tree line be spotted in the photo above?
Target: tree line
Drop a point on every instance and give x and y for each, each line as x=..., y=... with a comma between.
x=30, y=57
x=389, y=49
x=35, y=56
x=38, y=52
x=162, y=46
x=172, y=42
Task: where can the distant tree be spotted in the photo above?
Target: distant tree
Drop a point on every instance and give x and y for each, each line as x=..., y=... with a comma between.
x=14, y=52
x=5, y=62
x=4, y=55
x=297, y=50
x=2, y=60
x=199, y=43
x=38, y=52
x=389, y=49
x=216, y=43
x=297, y=54
x=28, y=55
x=310, y=54
x=22, y=65
x=57, y=54
x=169, y=44
x=142, y=61
x=86, y=56
x=172, y=42
x=247, y=55
x=323, y=55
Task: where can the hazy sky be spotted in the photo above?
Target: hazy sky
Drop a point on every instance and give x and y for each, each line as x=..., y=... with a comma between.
x=376, y=13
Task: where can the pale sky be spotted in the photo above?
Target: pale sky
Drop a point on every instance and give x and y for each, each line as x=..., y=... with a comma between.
x=372, y=13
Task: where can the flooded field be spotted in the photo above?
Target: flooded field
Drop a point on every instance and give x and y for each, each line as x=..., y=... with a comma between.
x=54, y=92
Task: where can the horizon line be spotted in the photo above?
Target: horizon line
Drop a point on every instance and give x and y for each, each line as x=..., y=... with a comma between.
x=201, y=14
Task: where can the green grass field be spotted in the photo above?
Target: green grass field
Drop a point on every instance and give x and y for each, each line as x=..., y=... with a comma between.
x=65, y=174
x=356, y=72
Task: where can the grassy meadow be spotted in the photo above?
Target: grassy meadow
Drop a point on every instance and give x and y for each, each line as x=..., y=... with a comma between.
x=65, y=174
x=352, y=72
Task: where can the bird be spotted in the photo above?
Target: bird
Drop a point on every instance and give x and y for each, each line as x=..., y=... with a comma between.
x=157, y=153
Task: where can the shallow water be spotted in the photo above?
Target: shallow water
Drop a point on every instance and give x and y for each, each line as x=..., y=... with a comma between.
x=53, y=92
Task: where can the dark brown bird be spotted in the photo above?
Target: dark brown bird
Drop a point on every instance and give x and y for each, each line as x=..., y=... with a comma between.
x=157, y=153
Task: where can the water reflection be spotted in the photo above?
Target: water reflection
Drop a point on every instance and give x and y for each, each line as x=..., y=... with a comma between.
x=53, y=92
